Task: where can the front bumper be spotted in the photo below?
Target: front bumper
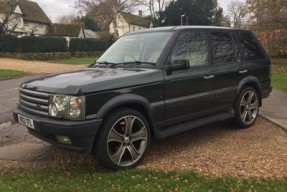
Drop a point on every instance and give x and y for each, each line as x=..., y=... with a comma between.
x=81, y=133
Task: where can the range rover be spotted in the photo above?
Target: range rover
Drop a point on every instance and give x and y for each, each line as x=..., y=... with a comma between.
x=151, y=83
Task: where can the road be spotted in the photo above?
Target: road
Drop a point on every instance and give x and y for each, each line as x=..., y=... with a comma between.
x=9, y=97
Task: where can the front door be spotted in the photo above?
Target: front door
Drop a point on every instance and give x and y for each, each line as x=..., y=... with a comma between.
x=189, y=92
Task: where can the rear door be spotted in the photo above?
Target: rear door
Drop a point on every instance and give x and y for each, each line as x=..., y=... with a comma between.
x=226, y=57
x=189, y=92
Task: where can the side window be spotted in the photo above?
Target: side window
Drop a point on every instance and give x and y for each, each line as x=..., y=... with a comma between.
x=238, y=54
x=191, y=46
x=222, y=45
x=249, y=46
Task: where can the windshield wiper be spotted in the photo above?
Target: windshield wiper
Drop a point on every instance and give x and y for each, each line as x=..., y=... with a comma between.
x=134, y=62
x=110, y=64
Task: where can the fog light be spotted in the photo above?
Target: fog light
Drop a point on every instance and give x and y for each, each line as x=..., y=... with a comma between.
x=63, y=139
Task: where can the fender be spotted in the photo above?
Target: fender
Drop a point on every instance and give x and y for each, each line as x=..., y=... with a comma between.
x=249, y=80
x=122, y=100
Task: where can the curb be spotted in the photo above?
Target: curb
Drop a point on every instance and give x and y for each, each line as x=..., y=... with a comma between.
x=274, y=121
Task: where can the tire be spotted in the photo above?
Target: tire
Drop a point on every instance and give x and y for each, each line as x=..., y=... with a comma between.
x=123, y=140
x=246, y=108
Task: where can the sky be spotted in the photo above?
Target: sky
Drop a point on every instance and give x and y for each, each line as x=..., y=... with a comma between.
x=56, y=8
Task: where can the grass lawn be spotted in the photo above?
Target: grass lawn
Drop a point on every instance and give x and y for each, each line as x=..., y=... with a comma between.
x=74, y=61
x=279, y=73
x=11, y=73
x=128, y=180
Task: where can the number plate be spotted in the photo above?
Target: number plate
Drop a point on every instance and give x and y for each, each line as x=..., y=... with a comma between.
x=26, y=121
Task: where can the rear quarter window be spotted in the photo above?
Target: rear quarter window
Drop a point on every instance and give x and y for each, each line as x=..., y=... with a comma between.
x=249, y=46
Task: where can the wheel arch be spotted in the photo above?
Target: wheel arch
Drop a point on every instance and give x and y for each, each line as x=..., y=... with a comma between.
x=132, y=101
x=253, y=82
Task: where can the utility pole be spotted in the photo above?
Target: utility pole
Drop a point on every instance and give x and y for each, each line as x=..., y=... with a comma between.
x=181, y=19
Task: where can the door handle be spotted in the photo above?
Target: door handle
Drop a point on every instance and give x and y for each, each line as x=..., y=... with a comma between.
x=243, y=71
x=209, y=77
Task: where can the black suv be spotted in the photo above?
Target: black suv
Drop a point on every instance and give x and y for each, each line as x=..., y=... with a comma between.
x=151, y=83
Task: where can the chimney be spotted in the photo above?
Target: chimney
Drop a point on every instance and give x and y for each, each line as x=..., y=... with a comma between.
x=140, y=13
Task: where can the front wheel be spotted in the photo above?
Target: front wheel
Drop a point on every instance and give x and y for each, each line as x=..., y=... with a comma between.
x=246, y=108
x=123, y=140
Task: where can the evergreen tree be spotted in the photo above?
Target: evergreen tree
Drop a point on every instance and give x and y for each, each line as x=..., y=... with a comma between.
x=198, y=12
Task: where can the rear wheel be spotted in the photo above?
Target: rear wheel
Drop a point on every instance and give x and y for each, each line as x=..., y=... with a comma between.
x=123, y=141
x=246, y=108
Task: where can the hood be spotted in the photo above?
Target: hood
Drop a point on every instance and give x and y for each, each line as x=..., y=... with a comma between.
x=93, y=80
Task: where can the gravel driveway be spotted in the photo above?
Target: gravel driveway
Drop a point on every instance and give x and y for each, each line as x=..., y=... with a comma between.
x=216, y=149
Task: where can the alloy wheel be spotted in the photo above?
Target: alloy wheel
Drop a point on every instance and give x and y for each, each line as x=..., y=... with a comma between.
x=127, y=141
x=249, y=107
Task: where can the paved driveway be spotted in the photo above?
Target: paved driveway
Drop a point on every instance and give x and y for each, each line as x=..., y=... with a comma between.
x=9, y=96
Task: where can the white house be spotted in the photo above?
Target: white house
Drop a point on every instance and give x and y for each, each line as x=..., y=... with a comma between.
x=24, y=17
x=127, y=22
x=68, y=31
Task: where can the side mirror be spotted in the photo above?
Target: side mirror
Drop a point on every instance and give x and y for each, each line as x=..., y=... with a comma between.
x=177, y=65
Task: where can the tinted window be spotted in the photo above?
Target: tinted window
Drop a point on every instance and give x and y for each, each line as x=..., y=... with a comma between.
x=191, y=46
x=249, y=46
x=238, y=54
x=222, y=45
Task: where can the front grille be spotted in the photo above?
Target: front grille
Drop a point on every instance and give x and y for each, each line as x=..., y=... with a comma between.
x=34, y=102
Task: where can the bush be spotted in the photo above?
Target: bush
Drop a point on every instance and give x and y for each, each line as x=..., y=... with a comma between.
x=30, y=44
x=8, y=43
x=85, y=45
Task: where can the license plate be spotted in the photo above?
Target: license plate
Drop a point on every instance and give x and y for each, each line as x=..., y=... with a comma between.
x=26, y=121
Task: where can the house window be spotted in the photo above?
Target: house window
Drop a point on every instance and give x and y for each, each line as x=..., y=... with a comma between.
x=18, y=18
x=134, y=28
x=40, y=26
x=26, y=23
x=139, y=28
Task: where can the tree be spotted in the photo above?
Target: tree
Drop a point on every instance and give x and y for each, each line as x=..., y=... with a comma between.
x=268, y=14
x=237, y=11
x=269, y=22
x=105, y=12
x=198, y=12
x=89, y=23
x=68, y=19
x=156, y=8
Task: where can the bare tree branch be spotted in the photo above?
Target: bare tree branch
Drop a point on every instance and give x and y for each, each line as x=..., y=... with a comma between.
x=237, y=11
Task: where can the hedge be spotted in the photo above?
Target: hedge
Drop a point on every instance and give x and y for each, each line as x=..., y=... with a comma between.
x=48, y=44
x=8, y=43
x=84, y=45
x=30, y=44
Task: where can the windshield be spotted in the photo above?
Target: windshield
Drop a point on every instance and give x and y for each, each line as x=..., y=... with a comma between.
x=137, y=48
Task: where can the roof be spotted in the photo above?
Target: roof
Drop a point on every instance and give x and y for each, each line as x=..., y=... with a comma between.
x=89, y=34
x=135, y=19
x=177, y=28
x=31, y=10
x=4, y=6
x=67, y=30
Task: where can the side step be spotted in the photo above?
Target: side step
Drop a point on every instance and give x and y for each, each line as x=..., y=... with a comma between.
x=178, y=128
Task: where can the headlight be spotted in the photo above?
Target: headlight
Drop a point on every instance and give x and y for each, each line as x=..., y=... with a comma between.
x=69, y=107
x=61, y=102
